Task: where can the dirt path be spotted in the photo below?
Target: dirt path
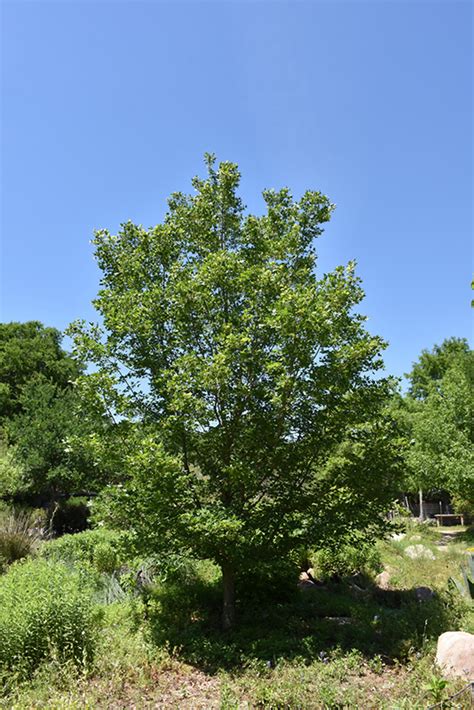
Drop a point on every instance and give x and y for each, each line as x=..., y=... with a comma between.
x=447, y=537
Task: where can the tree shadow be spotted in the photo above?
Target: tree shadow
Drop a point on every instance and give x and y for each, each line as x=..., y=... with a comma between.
x=305, y=624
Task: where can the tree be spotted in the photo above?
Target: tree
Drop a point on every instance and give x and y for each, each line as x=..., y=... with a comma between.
x=39, y=410
x=27, y=350
x=438, y=419
x=244, y=384
x=432, y=365
x=50, y=417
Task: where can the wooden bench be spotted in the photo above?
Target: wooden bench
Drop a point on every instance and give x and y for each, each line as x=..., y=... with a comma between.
x=440, y=516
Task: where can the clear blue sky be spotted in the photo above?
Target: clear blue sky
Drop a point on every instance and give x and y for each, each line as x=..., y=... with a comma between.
x=108, y=107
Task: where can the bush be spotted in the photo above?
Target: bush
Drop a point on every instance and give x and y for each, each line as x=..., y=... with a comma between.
x=46, y=612
x=346, y=560
x=464, y=506
x=100, y=549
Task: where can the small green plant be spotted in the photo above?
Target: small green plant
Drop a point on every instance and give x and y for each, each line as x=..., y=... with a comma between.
x=435, y=688
x=46, y=613
x=376, y=664
x=105, y=558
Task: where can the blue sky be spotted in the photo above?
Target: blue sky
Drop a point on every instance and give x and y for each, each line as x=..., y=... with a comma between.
x=107, y=107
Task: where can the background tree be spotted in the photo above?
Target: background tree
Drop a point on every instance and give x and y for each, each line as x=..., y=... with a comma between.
x=438, y=419
x=432, y=365
x=39, y=411
x=246, y=382
x=26, y=351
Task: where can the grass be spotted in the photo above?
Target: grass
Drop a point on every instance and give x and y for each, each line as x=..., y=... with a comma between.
x=290, y=652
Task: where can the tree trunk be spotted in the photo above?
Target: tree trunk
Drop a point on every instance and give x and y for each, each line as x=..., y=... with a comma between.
x=422, y=510
x=228, y=607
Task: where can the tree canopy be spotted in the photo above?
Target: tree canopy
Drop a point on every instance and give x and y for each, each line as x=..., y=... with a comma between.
x=432, y=365
x=437, y=416
x=39, y=410
x=30, y=350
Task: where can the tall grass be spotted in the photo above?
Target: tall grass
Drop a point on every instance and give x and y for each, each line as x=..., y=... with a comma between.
x=19, y=537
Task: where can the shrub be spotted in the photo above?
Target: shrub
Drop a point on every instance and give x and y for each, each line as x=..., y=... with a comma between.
x=346, y=560
x=100, y=555
x=463, y=505
x=100, y=549
x=46, y=612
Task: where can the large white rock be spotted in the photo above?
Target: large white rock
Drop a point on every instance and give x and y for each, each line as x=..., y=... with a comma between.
x=419, y=552
x=455, y=654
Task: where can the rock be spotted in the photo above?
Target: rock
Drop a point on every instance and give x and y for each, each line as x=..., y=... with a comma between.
x=455, y=654
x=424, y=594
x=398, y=536
x=415, y=538
x=382, y=580
x=306, y=584
x=419, y=552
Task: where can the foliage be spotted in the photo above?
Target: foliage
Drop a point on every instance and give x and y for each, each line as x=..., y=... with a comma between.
x=50, y=415
x=314, y=621
x=432, y=365
x=101, y=549
x=437, y=420
x=27, y=350
x=466, y=584
x=235, y=374
x=463, y=505
x=11, y=471
x=39, y=412
x=103, y=556
x=46, y=612
x=288, y=652
x=344, y=559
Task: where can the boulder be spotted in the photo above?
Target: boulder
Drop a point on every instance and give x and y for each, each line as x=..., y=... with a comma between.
x=455, y=654
x=398, y=536
x=305, y=582
x=419, y=552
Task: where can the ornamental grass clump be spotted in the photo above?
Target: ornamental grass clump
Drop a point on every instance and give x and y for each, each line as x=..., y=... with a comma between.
x=19, y=537
x=46, y=613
